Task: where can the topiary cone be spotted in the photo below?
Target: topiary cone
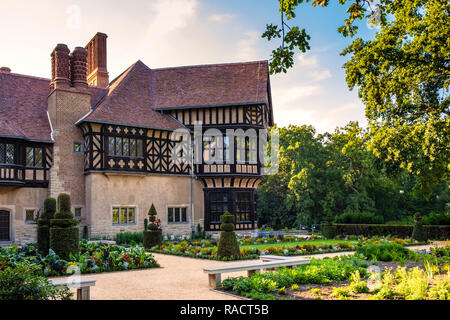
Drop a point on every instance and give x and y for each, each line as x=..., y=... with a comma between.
x=228, y=245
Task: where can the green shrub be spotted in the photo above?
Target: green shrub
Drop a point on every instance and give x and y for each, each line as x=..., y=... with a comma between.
x=400, y=231
x=43, y=239
x=24, y=281
x=386, y=252
x=357, y=285
x=64, y=241
x=437, y=218
x=152, y=236
x=64, y=236
x=43, y=230
x=228, y=244
x=130, y=238
x=419, y=232
x=351, y=217
x=64, y=203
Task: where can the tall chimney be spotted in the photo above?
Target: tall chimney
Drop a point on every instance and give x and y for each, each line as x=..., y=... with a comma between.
x=60, y=67
x=78, y=67
x=97, y=73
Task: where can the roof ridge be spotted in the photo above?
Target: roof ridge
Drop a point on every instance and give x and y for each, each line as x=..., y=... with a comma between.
x=212, y=65
x=24, y=76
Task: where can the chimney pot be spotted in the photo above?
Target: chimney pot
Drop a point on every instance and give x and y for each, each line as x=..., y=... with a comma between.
x=78, y=70
x=60, y=66
x=97, y=73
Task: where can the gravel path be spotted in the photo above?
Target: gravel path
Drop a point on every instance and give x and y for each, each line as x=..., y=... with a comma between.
x=179, y=278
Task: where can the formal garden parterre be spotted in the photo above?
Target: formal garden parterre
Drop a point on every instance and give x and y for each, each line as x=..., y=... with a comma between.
x=375, y=272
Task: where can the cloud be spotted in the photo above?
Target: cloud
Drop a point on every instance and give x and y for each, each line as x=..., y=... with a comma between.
x=319, y=75
x=246, y=47
x=292, y=97
x=305, y=60
x=216, y=17
x=170, y=15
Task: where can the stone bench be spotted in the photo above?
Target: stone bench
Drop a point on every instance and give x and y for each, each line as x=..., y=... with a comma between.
x=215, y=273
x=82, y=285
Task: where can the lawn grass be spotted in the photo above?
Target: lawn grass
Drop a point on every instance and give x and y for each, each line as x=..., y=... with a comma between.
x=261, y=246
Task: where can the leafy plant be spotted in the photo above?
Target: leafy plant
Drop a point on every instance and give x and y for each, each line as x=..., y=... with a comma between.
x=25, y=281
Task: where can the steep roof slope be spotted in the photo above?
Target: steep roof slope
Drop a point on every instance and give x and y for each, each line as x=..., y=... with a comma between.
x=210, y=85
x=23, y=107
x=128, y=101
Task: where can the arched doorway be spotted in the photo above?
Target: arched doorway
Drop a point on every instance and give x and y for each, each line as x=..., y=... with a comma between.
x=4, y=225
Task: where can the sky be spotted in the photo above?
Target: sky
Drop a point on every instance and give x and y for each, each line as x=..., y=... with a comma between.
x=169, y=33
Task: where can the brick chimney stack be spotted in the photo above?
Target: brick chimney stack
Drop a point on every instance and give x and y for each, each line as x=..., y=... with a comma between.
x=97, y=73
x=60, y=67
x=78, y=67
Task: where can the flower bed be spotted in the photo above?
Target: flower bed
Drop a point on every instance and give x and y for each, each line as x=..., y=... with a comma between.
x=208, y=249
x=93, y=258
x=352, y=277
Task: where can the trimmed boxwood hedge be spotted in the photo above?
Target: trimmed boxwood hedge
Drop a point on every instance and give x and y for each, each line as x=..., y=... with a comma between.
x=401, y=231
x=64, y=240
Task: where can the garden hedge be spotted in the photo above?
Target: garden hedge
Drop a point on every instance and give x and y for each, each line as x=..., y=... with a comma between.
x=401, y=231
x=64, y=240
x=64, y=235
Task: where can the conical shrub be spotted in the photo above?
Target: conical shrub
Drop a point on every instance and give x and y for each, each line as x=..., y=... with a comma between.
x=228, y=245
x=152, y=236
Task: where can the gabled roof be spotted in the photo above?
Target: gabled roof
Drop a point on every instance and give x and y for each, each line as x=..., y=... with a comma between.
x=128, y=102
x=210, y=85
x=23, y=107
x=136, y=97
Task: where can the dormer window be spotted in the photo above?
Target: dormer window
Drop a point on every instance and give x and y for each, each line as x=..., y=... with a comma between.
x=7, y=151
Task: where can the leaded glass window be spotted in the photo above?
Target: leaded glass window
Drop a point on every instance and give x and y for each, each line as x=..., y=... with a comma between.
x=34, y=157
x=125, y=147
x=7, y=151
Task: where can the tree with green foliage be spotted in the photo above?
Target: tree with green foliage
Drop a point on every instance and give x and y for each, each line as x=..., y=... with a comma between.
x=228, y=245
x=294, y=39
x=64, y=235
x=336, y=175
x=403, y=77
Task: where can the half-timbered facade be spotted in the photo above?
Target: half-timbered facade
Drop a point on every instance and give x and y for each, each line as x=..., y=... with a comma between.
x=110, y=145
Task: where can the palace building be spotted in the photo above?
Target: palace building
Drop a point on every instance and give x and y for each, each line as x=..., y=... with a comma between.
x=110, y=144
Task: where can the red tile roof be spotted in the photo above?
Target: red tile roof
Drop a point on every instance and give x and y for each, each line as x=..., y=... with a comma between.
x=210, y=85
x=23, y=107
x=135, y=97
x=128, y=101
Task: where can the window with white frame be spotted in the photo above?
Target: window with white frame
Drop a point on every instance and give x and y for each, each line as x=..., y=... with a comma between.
x=123, y=215
x=177, y=215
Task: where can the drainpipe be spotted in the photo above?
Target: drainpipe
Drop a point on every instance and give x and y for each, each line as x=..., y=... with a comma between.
x=192, y=187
